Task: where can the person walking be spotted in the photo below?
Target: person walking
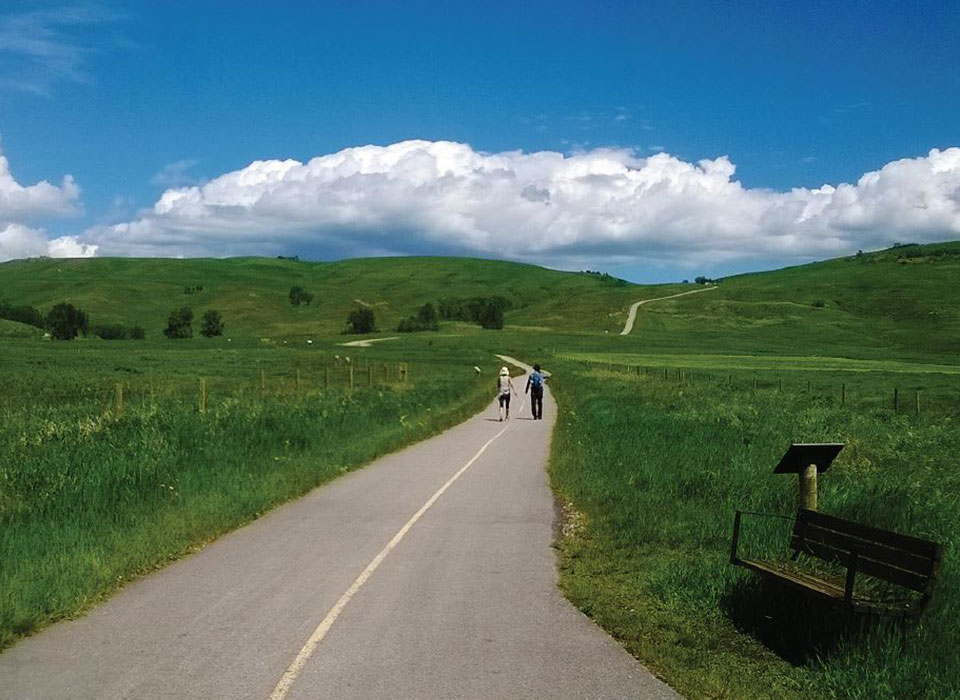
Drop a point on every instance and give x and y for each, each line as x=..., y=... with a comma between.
x=504, y=387
x=535, y=389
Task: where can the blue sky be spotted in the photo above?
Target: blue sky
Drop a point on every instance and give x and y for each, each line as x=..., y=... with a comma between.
x=131, y=99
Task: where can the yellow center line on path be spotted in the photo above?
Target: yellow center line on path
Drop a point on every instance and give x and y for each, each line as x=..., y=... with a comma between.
x=294, y=669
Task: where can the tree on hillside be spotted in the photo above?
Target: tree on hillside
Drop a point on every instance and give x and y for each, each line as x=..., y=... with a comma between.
x=180, y=323
x=212, y=324
x=137, y=332
x=361, y=321
x=65, y=322
x=426, y=319
x=299, y=295
x=491, y=315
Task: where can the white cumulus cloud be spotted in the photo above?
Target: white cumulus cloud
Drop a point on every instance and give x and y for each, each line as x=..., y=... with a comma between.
x=610, y=205
x=42, y=199
x=19, y=204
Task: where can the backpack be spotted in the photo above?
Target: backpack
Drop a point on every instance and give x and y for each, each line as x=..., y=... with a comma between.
x=536, y=380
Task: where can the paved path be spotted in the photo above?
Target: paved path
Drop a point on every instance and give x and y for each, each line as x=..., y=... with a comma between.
x=428, y=574
x=628, y=326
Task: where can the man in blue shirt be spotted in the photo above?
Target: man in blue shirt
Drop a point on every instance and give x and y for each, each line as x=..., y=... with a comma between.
x=535, y=389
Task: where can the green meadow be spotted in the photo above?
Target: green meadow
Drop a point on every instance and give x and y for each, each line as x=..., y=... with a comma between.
x=110, y=468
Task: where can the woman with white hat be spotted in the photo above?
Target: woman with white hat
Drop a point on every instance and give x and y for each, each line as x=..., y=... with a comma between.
x=504, y=387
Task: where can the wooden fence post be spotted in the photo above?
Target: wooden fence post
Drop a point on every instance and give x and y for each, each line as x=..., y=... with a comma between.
x=843, y=394
x=203, y=394
x=918, y=403
x=808, y=487
x=896, y=400
x=780, y=384
x=119, y=397
x=351, y=377
x=754, y=383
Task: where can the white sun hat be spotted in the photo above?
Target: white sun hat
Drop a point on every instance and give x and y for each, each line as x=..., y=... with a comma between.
x=503, y=371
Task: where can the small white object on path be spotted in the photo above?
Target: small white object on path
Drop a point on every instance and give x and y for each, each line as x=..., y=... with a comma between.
x=368, y=342
x=628, y=326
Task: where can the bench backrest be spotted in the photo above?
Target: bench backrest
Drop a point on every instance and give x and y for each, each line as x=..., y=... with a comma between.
x=908, y=561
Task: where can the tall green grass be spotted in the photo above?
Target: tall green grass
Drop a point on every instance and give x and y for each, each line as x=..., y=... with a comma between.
x=91, y=496
x=658, y=468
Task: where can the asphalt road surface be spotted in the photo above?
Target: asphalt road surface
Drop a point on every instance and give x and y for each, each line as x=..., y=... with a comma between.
x=427, y=574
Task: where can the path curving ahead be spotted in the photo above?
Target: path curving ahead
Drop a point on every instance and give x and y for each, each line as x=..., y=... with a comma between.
x=628, y=326
x=427, y=574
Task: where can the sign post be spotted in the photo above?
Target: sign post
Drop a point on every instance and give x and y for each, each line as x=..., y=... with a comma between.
x=807, y=460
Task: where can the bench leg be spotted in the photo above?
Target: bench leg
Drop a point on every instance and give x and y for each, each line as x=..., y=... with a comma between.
x=736, y=538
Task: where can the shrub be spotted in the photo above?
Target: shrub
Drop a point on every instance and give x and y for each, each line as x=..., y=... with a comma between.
x=65, y=322
x=426, y=319
x=21, y=314
x=471, y=310
x=819, y=304
x=180, y=323
x=195, y=289
x=299, y=295
x=361, y=321
x=137, y=332
x=212, y=324
x=114, y=331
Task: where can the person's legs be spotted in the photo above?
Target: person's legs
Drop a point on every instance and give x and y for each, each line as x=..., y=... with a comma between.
x=501, y=406
x=537, y=400
x=508, y=406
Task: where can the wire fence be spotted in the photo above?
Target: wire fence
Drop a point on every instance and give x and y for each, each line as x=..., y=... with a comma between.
x=285, y=384
x=908, y=394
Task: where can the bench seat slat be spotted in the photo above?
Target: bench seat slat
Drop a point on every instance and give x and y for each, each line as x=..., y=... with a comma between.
x=833, y=591
x=808, y=581
x=907, y=543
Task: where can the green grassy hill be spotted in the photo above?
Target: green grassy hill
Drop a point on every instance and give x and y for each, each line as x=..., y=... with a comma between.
x=899, y=303
x=12, y=329
x=251, y=293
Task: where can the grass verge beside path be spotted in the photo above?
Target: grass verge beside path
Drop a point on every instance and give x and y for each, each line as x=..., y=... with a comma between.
x=90, y=498
x=656, y=470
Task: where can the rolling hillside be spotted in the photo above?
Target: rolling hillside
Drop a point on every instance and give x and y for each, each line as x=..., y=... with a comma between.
x=251, y=293
x=898, y=303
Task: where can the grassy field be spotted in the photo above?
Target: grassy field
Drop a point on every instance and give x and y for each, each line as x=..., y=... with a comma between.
x=658, y=466
x=653, y=461
x=95, y=490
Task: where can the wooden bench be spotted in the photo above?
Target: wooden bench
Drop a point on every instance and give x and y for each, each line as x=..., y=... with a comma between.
x=908, y=562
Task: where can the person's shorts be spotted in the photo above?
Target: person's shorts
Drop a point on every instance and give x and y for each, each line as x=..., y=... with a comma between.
x=505, y=400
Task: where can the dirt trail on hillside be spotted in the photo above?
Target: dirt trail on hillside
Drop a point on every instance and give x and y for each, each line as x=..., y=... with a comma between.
x=367, y=343
x=628, y=326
